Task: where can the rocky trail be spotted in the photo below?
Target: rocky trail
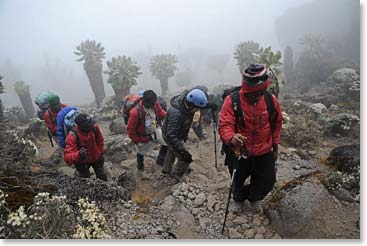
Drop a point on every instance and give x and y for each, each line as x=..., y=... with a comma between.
x=317, y=193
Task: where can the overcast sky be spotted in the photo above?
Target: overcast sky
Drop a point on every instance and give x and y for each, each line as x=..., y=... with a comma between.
x=31, y=28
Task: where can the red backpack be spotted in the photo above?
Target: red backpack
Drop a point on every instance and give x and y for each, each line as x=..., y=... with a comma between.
x=128, y=103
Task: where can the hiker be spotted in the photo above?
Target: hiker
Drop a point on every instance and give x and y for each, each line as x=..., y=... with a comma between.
x=42, y=102
x=176, y=128
x=50, y=114
x=252, y=132
x=65, y=122
x=144, y=127
x=85, y=147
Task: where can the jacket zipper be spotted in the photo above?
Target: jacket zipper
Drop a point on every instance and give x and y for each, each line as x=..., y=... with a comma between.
x=253, y=128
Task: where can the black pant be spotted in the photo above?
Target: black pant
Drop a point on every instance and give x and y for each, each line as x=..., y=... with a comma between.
x=83, y=169
x=261, y=170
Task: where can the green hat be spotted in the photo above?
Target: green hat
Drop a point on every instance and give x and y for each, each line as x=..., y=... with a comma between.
x=53, y=99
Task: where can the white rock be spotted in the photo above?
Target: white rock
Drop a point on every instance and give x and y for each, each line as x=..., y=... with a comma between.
x=199, y=200
x=233, y=234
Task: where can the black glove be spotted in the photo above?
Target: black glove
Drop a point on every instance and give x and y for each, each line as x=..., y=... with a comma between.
x=186, y=156
x=83, y=153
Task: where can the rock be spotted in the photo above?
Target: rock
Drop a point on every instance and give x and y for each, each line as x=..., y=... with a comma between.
x=184, y=187
x=67, y=171
x=118, y=126
x=117, y=149
x=343, y=75
x=195, y=211
x=233, y=234
x=203, y=222
x=199, y=200
x=343, y=124
x=256, y=222
x=276, y=236
x=261, y=230
x=127, y=179
x=318, y=108
x=250, y=233
x=240, y=220
x=168, y=204
x=345, y=158
x=236, y=207
x=259, y=236
x=211, y=201
x=191, y=195
x=299, y=206
x=342, y=194
x=333, y=107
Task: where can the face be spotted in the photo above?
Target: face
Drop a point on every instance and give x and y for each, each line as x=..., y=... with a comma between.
x=149, y=104
x=55, y=107
x=254, y=97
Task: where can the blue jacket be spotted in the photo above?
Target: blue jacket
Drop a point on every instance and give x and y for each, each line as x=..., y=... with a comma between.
x=61, y=131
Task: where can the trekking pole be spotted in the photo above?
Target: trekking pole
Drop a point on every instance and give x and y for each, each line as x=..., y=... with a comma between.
x=235, y=165
x=215, y=139
x=50, y=138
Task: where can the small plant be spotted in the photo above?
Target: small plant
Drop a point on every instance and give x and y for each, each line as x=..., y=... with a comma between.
x=91, y=221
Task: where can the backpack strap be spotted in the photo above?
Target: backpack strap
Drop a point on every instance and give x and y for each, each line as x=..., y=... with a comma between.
x=273, y=113
x=236, y=105
x=73, y=131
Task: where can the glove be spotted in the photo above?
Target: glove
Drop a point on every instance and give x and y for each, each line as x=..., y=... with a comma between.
x=83, y=153
x=186, y=156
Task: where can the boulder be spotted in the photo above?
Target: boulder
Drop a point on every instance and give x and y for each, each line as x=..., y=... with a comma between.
x=343, y=75
x=345, y=158
x=344, y=124
x=199, y=200
x=117, y=148
x=127, y=179
x=118, y=126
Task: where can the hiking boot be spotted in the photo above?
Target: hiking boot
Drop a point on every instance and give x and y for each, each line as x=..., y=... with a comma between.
x=256, y=207
x=236, y=207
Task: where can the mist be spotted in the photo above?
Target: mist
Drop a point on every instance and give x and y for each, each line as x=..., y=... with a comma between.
x=38, y=39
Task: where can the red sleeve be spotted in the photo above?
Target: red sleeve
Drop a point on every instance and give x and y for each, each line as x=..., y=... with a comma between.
x=279, y=120
x=132, y=126
x=71, y=154
x=49, y=123
x=226, y=121
x=160, y=111
x=100, y=139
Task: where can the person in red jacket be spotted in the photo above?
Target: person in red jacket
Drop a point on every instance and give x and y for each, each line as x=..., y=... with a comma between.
x=50, y=114
x=85, y=147
x=144, y=128
x=255, y=139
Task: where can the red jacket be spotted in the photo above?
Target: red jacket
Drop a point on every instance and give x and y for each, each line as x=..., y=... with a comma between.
x=50, y=119
x=93, y=142
x=257, y=130
x=137, y=132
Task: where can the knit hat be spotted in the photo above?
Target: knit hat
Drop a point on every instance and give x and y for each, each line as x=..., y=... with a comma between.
x=255, y=78
x=84, y=122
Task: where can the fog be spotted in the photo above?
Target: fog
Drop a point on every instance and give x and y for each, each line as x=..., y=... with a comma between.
x=38, y=38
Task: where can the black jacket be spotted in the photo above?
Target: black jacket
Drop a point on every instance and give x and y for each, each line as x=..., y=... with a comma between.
x=177, y=124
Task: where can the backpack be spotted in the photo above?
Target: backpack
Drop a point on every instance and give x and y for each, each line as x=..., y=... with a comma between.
x=128, y=103
x=238, y=112
x=65, y=122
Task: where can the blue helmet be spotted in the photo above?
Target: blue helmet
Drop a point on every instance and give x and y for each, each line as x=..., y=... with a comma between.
x=140, y=92
x=197, y=98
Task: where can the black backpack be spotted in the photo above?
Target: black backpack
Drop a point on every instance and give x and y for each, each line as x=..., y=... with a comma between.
x=238, y=112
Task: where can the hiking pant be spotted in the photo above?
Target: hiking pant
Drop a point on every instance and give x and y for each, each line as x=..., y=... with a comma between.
x=177, y=170
x=261, y=170
x=83, y=169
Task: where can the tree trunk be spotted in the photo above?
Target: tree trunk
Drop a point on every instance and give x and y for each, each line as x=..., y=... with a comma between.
x=27, y=104
x=94, y=73
x=164, y=86
x=120, y=94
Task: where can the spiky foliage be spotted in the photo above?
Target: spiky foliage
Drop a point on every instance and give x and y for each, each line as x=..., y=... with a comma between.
x=246, y=53
x=123, y=72
x=163, y=67
x=271, y=60
x=288, y=65
x=92, y=54
x=22, y=89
